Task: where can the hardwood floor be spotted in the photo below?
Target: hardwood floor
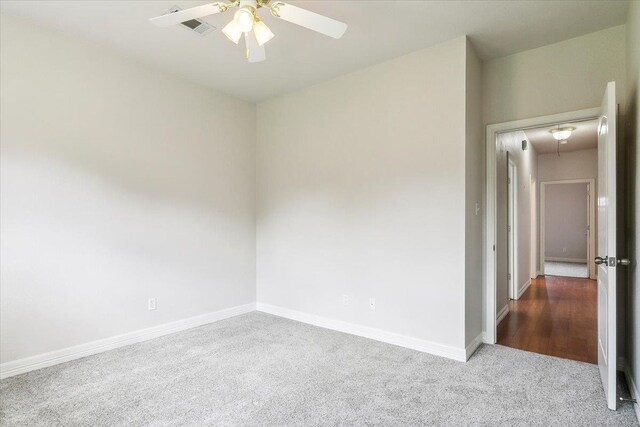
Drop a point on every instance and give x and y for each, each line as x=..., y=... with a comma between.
x=555, y=316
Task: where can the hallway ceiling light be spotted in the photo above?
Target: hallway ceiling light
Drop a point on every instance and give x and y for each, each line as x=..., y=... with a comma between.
x=562, y=134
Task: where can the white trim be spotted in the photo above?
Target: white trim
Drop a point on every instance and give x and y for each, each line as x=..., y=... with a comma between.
x=533, y=213
x=570, y=260
x=607, y=207
x=490, y=201
x=473, y=345
x=459, y=354
x=27, y=364
x=502, y=314
x=633, y=389
x=512, y=221
x=591, y=215
x=524, y=288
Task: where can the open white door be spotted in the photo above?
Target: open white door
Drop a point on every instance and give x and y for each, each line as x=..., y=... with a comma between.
x=606, y=258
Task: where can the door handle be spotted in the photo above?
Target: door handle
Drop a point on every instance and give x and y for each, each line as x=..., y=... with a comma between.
x=600, y=260
x=624, y=261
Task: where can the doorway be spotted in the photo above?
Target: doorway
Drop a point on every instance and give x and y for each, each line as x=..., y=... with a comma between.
x=568, y=228
x=545, y=213
x=497, y=210
x=534, y=297
x=605, y=118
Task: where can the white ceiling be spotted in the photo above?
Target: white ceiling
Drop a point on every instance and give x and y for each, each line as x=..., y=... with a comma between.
x=584, y=137
x=296, y=57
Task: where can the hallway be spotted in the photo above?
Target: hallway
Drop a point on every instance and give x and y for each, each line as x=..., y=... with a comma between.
x=555, y=316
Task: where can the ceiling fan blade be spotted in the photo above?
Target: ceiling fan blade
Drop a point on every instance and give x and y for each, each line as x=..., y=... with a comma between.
x=255, y=52
x=188, y=14
x=311, y=20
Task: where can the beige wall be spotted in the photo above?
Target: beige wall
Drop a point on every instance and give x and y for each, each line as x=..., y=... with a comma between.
x=361, y=191
x=474, y=165
x=119, y=183
x=632, y=119
x=565, y=222
x=565, y=76
x=581, y=164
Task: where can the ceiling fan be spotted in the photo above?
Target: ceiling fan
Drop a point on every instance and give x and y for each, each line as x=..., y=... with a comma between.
x=246, y=22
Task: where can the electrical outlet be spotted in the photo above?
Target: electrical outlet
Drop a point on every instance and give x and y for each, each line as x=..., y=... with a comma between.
x=372, y=304
x=345, y=299
x=152, y=304
x=564, y=249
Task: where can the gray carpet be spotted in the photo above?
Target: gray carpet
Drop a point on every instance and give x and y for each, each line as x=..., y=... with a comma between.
x=566, y=269
x=258, y=369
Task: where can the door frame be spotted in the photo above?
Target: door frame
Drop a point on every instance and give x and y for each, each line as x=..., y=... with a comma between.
x=535, y=217
x=512, y=221
x=591, y=215
x=490, y=226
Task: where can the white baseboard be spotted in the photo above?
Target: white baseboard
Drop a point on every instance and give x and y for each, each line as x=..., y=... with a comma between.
x=502, y=314
x=20, y=366
x=459, y=354
x=559, y=259
x=633, y=389
x=524, y=288
x=473, y=345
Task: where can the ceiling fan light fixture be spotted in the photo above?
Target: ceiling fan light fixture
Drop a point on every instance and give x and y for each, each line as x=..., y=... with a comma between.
x=232, y=31
x=245, y=18
x=262, y=32
x=562, y=134
x=246, y=21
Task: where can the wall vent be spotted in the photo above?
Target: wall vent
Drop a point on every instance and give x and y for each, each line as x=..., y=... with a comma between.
x=196, y=25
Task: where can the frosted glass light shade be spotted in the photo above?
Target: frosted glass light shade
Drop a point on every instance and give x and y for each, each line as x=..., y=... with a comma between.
x=262, y=32
x=561, y=134
x=244, y=19
x=233, y=31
